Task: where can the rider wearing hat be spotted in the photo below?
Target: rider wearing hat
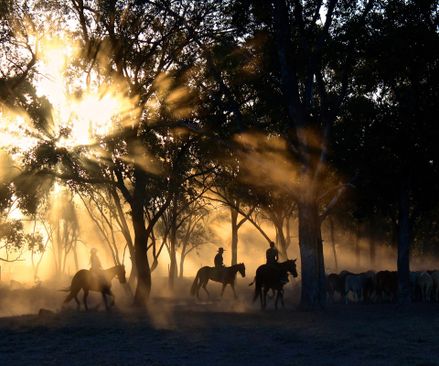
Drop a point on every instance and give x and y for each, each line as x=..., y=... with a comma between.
x=219, y=262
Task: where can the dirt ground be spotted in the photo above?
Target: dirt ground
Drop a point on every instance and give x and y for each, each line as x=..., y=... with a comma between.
x=182, y=331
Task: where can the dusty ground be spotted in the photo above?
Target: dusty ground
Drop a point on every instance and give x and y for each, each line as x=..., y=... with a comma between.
x=180, y=331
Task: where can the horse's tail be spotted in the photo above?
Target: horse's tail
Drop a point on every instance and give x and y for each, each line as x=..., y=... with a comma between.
x=258, y=289
x=67, y=289
x=195, y=284
x=251, y=283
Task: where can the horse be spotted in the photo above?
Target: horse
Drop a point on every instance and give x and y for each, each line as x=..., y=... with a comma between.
x=271, y=277
x=91, y=281
x=225, y=275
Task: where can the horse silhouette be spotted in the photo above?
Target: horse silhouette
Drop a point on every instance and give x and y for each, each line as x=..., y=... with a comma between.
x=225, y=275
x=91, y=281
x=272, y=277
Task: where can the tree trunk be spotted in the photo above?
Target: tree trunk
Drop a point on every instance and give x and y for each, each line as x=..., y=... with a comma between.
x=133, y=273
x=182, y=258
x=234, y=244
x=281, y=241
x=127, y=236
x=372, y=251
x=334, y=251
x=404, y=243
x=172, y=247
x=357, y=248
x=58, y=255
x=143, y=287
x=75, y=257
x=288, y=231
x=311, y=253
x=372, y=236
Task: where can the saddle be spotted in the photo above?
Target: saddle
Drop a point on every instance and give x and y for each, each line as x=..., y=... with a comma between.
x=218, y=273
x=99, y=278
x=274, y=269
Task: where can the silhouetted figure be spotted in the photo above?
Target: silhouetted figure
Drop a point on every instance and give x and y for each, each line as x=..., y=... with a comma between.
x=272, y=254
x=95, y=263
x=96, y=267
x=219, y=262
x=272, y=277
x=219, y=265
x=88, y=281
x=206, y=273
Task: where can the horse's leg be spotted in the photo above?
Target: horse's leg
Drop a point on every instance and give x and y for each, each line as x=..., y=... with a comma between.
x=233, y=288
x=105, y=301
x=265, y=298
x=282, y=297
x=278, y=294
x=223, y=288
x=78, y=304
x=85, y=298
x=113, y=299
x=205, y=289
x=273, y=292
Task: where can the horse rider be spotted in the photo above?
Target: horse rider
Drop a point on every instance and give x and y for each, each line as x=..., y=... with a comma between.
x=272, y=255
x=95, y=263
x=96, y=266
x=219, y=262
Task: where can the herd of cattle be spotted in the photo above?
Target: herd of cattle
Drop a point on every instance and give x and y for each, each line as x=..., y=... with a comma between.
x=381, y=286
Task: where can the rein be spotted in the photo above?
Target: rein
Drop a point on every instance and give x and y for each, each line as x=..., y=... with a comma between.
x=111, y=272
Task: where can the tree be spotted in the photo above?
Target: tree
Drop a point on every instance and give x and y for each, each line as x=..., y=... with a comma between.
x=141, y=52
x=231, y=193
x=102, y=210
x=64, y=227
x=195, y=231
x=18, y=53
x=393, y=108
x=314, y=58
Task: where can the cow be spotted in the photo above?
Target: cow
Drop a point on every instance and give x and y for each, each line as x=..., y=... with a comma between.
x=425, y=285
x=386, y=285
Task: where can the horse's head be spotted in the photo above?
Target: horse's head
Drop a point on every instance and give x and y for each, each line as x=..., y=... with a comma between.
x=241, y=269
x=292, y=267
x=120, y=273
